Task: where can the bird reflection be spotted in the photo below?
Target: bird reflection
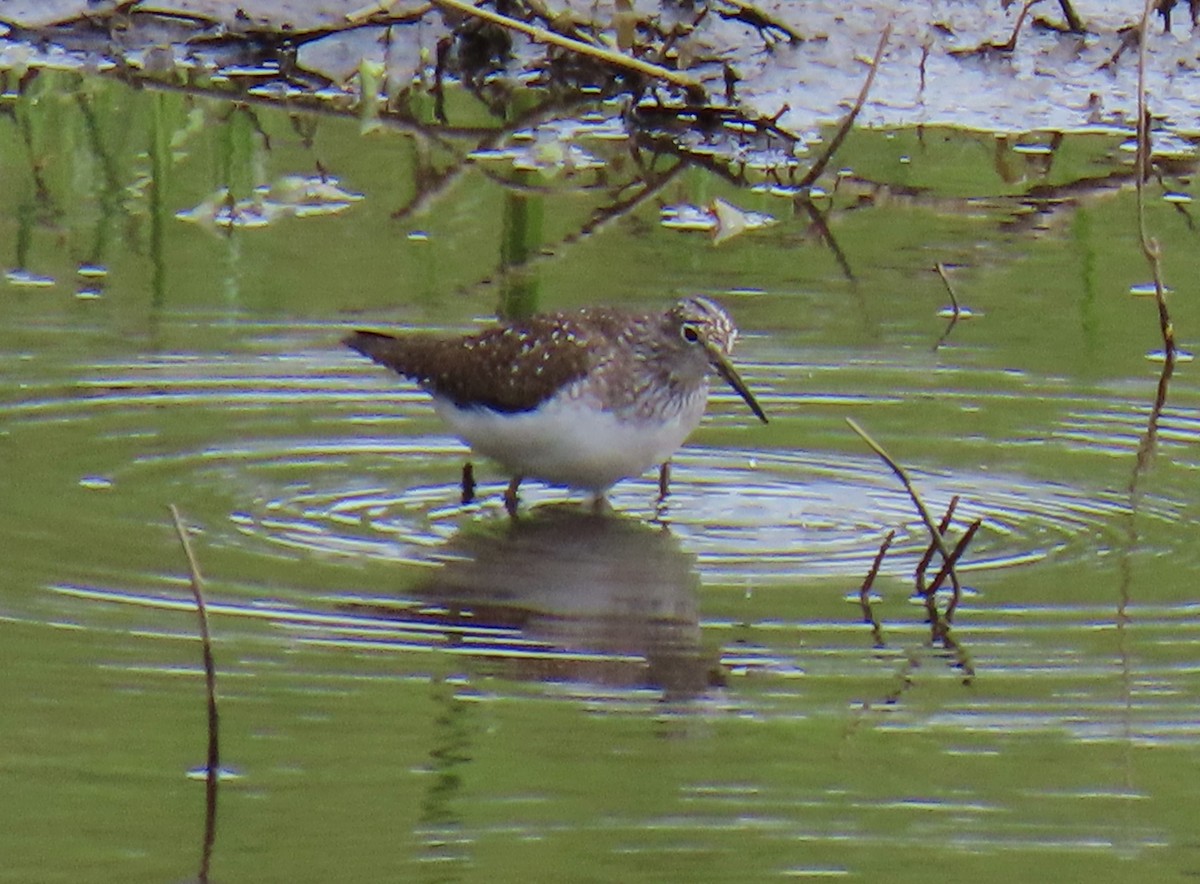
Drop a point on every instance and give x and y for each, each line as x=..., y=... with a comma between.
x=568, y=595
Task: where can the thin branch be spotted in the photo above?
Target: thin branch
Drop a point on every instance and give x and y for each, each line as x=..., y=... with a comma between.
x=823, y=160
x=213, y=761
x=1153, y=254
x=959, y=549
x=943, y=525
x=1150, y=246
x=935, y=535
x=864, y=592
x=941, y=271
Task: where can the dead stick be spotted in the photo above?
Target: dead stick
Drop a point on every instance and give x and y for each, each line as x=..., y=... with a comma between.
x=934, y=533
x=941, y=271
x=864, y=592
x=823, y=160
x=929, y=550
x=902, y=475
x=210, y=679
x=940, y=578
x=1150, y=246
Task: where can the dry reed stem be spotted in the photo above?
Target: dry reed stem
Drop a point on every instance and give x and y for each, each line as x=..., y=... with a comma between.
x=213, y=760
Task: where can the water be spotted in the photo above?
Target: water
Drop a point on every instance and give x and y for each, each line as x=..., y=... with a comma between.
x=413, y=689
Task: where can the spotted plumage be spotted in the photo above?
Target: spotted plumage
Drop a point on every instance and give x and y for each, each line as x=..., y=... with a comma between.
x=582, y=399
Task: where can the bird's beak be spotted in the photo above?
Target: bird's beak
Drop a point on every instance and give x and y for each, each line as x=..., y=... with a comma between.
x=722, y=364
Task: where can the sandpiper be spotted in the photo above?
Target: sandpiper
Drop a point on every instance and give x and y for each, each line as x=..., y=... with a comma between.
x=582, y=399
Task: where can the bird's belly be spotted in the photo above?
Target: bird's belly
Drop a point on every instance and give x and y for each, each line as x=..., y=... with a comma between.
x=565, y=442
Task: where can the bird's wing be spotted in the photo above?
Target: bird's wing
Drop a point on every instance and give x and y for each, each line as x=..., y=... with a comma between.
x=508, y=368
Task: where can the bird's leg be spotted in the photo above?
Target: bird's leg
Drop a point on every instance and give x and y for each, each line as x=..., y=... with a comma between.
x=468, y=483
x=664, y=480
x=510, y=496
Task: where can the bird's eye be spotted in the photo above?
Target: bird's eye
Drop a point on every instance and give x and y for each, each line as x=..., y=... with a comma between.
x=690, y=333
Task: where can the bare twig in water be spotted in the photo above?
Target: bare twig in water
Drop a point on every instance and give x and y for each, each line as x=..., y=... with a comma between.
x=940, y=578
x=939, y=625
x=608, y=56
x=956, y=310
x=213, y=760
x=1153, y=254
x=864, y=592
x=823, y=160
x=943, y=526
x=941, y=271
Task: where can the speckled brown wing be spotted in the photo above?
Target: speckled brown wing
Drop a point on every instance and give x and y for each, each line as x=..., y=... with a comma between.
x=508, y=368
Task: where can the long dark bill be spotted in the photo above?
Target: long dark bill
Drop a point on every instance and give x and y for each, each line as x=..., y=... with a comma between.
x=722, y=364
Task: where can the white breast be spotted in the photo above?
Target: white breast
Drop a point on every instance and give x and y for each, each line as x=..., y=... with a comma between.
x=566, y=442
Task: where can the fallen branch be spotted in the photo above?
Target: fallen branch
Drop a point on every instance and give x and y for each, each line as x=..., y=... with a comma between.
x=844, y=129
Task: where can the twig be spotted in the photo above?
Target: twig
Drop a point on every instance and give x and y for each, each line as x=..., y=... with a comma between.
x=940, y=578
x=213, y=761
x=823, y=160
x=943, y=525
x=941, y=271
x=1153, y=254
x=934, y=534
x=956, y=311
x=1150, y=246
x=864, y=592
x=542, y=35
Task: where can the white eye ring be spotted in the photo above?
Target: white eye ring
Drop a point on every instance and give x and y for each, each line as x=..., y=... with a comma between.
x=690, y=333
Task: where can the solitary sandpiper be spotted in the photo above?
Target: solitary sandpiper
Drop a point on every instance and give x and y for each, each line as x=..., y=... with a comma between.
x=581, y=399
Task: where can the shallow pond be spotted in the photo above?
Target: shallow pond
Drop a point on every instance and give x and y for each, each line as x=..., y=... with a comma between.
x=414, y=689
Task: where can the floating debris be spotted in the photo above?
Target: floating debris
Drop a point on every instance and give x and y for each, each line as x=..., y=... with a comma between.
x=733, y=221
x=313, y=195
x=293, y=195
x=1147, y=290
x=28, y=279
x=221, y=210
x=1033, y=149
x=686, y=216
x=550, y=156
x=722, y=219
x=956, y=313
x=1160, y=356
